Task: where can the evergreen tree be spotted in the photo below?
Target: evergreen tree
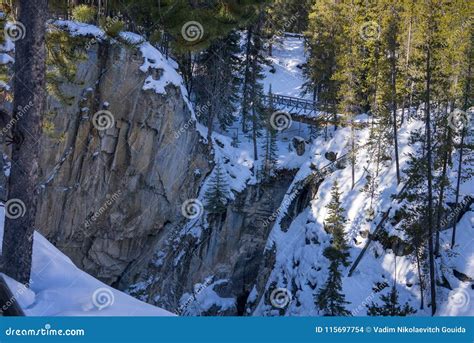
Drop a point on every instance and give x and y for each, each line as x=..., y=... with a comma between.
x=28, y=87
x=335, y=222
x=322, y=41
x=217, y=82
x=217, y=194
x=252, y=89
x=164, y=20
x=390, y=306
x=330, y=299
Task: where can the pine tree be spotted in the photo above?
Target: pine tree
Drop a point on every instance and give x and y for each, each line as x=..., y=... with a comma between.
x=216, y=82
x=330, y=299
x=29, y=87
x=252, y=89
x=335, y=222
x=63, y=54
x=322, y=41
x=390, y=306
x=217, y=194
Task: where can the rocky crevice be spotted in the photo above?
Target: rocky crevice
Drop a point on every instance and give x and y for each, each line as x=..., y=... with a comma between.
x=230, y=250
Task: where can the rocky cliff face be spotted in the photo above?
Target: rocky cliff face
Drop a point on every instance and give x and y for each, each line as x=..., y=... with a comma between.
x=107, y=195
x=225, y=261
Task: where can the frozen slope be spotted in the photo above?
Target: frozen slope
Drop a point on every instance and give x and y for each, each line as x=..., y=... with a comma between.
x=285, y=74
x=59, y=288
x=301, y=267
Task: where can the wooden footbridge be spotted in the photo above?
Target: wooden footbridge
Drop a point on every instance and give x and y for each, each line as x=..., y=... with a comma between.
x=305, y=111
x=301, y=110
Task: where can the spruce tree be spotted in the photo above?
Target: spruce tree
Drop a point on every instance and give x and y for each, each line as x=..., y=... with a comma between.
x=216, y=82
x=252, y=88
x=330, y=299
x=335, y=222
x=217, y=194
x=390, y=306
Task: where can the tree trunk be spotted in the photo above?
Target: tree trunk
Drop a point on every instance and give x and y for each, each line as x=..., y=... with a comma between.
x=430, y=187
x=463, y=133
x=30, y=96
x=353, y=155
x=446, y=153
x=458, y=184
x=394, y=106
x=245, y=100
x=420, y=277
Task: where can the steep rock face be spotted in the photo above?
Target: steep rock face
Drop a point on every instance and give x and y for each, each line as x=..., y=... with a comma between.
x=106, y=195
x=226, y=258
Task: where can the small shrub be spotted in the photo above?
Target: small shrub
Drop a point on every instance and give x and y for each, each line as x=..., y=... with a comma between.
x=83, y=14
x=112, y=26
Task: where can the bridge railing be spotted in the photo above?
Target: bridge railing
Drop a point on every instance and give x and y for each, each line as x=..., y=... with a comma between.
x=290, y=101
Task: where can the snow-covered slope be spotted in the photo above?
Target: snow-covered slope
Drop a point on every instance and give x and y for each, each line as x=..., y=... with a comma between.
x=378, y=267
x=285, y=73
x=59, y=288
x=300, y=267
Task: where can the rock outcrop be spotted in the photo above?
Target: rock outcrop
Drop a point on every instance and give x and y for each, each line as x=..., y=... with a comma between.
x=106, y=195
x=229, y=252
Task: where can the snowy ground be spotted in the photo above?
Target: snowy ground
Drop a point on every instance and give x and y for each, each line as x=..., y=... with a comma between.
x=286, y=60
x=59, y=288
x=378, y=266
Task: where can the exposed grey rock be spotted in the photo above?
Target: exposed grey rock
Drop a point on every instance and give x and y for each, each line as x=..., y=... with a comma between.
x=299, y=145
x=232, y=248
x=107, y=195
